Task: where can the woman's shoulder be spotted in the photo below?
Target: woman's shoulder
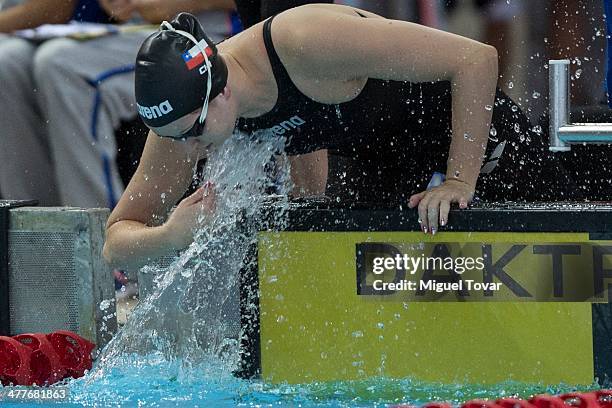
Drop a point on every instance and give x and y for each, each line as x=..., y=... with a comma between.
x=311, y=15
x=303, y=29
x=308, y=10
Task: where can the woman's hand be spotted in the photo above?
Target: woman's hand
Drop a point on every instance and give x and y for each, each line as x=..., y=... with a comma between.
x=434, y=204
x=119, y=10
x=184, y=218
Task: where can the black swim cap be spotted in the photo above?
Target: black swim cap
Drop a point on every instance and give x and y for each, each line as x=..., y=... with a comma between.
x=171, y=72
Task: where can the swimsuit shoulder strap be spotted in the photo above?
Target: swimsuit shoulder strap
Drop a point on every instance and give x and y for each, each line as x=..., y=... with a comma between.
x=283, y=81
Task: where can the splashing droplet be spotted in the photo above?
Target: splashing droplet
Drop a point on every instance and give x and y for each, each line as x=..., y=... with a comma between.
x=493, y=134
x=105, y=304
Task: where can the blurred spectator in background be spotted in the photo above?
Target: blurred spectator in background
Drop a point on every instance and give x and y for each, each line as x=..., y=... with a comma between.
x=494, y=22
x=577, y=31
x=25, y=162
x=20, y=14
x=564, y=29
x=62, y=100
x=528, y=34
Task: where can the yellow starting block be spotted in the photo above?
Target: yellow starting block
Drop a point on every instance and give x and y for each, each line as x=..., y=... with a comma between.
x=367, y=297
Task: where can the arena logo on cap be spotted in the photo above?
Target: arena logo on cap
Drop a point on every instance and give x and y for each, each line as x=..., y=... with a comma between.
x=193, y=58
x=155, y=111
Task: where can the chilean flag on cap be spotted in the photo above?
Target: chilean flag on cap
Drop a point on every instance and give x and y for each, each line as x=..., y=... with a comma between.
x=194, y=57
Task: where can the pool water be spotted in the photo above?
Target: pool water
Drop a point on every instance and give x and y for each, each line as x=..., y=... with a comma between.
x=154, y=382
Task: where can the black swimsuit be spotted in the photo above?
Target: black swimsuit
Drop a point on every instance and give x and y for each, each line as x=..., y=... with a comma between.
x=309, y=125
x=387, y=141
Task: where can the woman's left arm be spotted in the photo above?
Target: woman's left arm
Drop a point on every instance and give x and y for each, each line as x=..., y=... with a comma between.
x=346, y=46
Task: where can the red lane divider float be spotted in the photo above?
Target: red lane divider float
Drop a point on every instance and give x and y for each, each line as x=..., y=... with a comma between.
x=14, y=362
x=547, y=401
x=74, y=351
x=44, y=359
x=513, y=403
x=604, y=398
x=595, y=399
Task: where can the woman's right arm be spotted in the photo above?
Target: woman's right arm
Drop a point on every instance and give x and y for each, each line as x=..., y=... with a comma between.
x=136, y=232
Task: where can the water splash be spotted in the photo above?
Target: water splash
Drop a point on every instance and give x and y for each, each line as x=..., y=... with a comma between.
x=193, y=315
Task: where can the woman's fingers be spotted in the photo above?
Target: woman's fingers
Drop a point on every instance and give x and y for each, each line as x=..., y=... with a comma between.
x=444, y=210
x=415, y=199
x=207, y=189
x=423, y=208
x=433, y=211
x=195, y=197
